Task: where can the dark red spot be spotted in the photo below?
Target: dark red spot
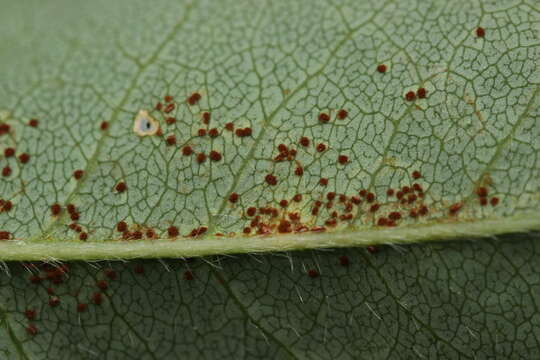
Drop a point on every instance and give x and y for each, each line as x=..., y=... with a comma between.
x=413, y=213
x=299, y=171
x=74, y=216
x=356, y=200
x=390, y=192
x=194, y=98
x=30, y=314
x=410, y=96
x=405, y=189
x=297, y=197
x=170, y=120
x=373, y=208
x=394, y=215
x=330, y=196
x=81, y=307
x=246, y=230
x=201, y=157
x=283, y=203
x=168, y=98
x=324, y=117
x=171, y=140
x=121, y=226
x=78, y=174
x=215, y=156
x=243, y=132
x=382, y=221
x=4, y=128
x=5, y=205
x=381, y=68
x=270, y=179
x=201, y=132
x=421, y=93
x=423, y=210
x=188, y=275
x=9, y=152
x=158, y=106
x=323, y=181
x=121, y=187
x=480, y=32
x=83, y=236
x=370, y=197
x=343, y=159
x=482, y=192
x=284, y=226
x=251, y=211
x=454, y=208
x=187, y=150
x=206, y=117
x=169, y=108
x=342, y=114
x=54, y=301
x=416, y=174
x=344, y=260
x=172, y=231
x=417, y=187
x=411, y=198
x=213, y=132
x=24, y=158
x=55, y=209
x=110, y=273
x=372, y=249
x=233, y=198
x=304, y=141
x=321, y=147
x=31, y=329
x=229, y=126
x=33, y=123
x=150, y=234
x=102, y=284
x=313, y=273
x=6, y=171
x=104, y=125
x=494, y=201
x=97, y=298
x=483, y=201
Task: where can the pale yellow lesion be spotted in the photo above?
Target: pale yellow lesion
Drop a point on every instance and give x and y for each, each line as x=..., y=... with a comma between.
x=144, y=124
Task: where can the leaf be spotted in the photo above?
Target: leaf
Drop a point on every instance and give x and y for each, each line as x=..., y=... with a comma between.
x=274, y=66
x=470, y=299
x=450, y=125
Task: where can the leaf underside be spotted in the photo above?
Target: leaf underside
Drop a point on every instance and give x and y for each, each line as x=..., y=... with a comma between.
x=341, y=118
x=83, y=71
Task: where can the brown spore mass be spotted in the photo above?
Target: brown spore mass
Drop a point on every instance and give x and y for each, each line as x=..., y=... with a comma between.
x=324, y=118
x=78, y=174
x=480, y=32
x=233, y=198
x=410, y=96
x=270, y=179
x=56, y=209
x=24, y=158
x=342, y=114
x=9, y=152
x=172, y=231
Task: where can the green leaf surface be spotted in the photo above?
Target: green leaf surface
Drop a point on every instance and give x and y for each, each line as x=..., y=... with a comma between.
x=277, y=68
x=460, y=300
